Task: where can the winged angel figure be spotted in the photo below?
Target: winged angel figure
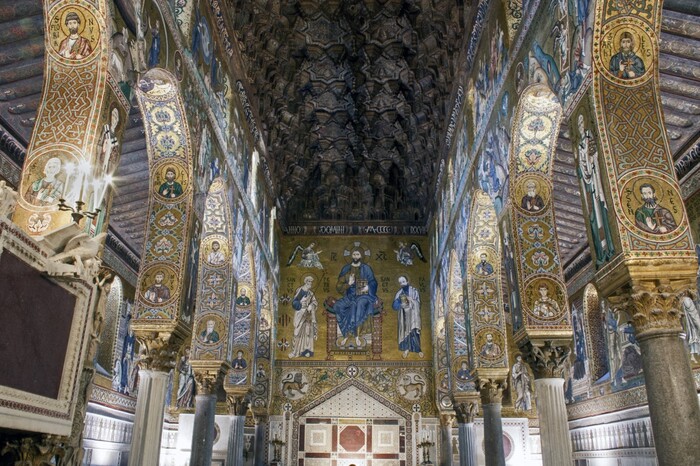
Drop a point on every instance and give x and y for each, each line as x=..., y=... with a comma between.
x=309, y=257
x=406, y=253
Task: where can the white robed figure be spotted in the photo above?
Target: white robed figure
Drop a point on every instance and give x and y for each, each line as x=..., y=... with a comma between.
x=692, y=327
x=407, y=303
x=305, y=326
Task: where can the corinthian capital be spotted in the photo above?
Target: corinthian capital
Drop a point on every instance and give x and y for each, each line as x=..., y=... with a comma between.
x=207, y=381
x=491, y=390
x=466, y=409
x=654, y=305
x=546, y=358
x=158, y=350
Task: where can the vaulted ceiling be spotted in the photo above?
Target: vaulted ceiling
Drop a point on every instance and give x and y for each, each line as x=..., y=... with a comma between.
x=352, y=97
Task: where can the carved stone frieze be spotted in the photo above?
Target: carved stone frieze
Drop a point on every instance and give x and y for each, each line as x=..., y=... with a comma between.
x=546, y=358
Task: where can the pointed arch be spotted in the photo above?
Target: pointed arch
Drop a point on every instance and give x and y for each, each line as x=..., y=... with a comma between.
x=62, y=151
x=483, y=285
x=544, y=303
x=158, y=300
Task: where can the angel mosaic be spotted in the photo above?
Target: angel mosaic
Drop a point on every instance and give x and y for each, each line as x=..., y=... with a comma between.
x=309, y=257
x=406, y=253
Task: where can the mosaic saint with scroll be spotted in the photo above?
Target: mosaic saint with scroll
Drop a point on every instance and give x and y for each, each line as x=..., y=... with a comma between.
x=589, y=173
x=407, y=303
x=304, y=304
x=521, y=385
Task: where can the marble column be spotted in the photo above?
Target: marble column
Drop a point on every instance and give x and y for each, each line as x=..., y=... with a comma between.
x=673, y=401
x=238, y=406
x=446, y=420
x=465, y=411
x=204, y=429
x=491, y=403
x=260, y=441
x=148, y=421
x=546, y=358
x=554, y=427
x=655, y=306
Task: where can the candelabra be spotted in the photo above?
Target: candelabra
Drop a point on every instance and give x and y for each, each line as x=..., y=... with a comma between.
x=77, y=212
x=426, y=445
x=94, y=187
x=277, y=444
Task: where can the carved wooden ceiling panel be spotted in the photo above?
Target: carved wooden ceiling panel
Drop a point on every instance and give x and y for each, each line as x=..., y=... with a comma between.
x=352, y=97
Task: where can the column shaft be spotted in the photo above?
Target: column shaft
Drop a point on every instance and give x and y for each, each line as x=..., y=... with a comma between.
x=493, y=435
x=260, y=439
x=467, y=444
x=673, y=401
x=446, y=444
x=148, y=421
x=554, y=426
x=236, y=440
x=204, y=430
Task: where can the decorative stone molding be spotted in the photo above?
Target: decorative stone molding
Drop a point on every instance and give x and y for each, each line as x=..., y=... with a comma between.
x=491, y=390
x=8, y=199
x=79, y=258
x=112, y=399
x=629, y=434
x=546, y=359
